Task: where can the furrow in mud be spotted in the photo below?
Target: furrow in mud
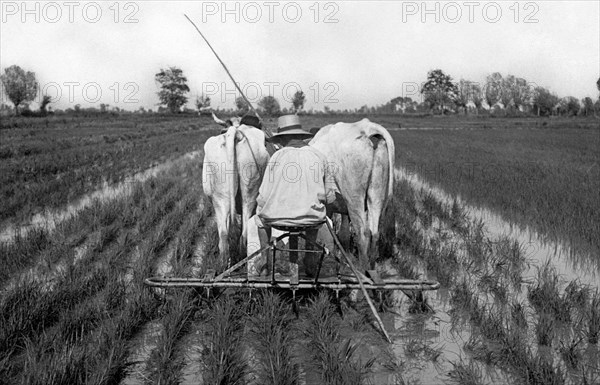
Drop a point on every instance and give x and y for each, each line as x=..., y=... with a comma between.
x=50, y=219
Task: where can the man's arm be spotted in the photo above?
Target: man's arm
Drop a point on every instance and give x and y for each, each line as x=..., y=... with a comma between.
x=267, y=185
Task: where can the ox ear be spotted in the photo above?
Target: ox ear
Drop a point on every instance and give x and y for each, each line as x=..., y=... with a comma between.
x=219, y=121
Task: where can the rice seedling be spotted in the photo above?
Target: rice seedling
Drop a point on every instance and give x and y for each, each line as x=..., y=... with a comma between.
x=539, y=371
x=163, y=366
x=462, y=295
x=100, y=335
x=336, y=359
x=525, y=187
x=544, y=329
x=493, y=324
x=478, y=349
x=510, y=259
x=518, y=315
x=570, y=354
x=478, y=246
x=416, y=348
x=270, y=330
x=63, y=161
x=577, y=296
x=545, y=295
x=593, y=319
x=443, y=263
x=466, y=373
x=458, y=219
x=223, y=358
x=22, y=251
x=433, y=208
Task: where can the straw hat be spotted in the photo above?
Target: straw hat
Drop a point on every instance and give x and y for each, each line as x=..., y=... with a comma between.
x=290, y=125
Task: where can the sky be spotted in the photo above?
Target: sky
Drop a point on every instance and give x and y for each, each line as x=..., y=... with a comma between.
x=340, y=54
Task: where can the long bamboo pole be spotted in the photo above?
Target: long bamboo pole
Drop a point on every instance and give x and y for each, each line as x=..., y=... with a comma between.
x=224, y=66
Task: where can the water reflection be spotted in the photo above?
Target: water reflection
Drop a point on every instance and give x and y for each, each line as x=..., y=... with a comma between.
x=571, y=264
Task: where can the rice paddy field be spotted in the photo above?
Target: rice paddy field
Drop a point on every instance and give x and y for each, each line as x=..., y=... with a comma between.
x=504, y=213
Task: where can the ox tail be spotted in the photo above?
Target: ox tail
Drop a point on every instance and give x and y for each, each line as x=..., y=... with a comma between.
x=232, y=178
x=376, y=129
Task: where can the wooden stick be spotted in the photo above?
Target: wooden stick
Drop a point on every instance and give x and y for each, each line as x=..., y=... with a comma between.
x=362, y=286
x=225, y=67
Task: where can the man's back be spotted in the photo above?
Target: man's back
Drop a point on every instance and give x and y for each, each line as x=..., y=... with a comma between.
x=293, y=190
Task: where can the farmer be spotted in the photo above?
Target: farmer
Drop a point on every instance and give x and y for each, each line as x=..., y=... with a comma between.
x=294, y=190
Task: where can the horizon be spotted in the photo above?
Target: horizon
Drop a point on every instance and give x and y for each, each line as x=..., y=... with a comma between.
x=340, y=54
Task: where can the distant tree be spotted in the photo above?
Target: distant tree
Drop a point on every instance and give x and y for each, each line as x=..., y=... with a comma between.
x=587, y=106
x=569, y=106
x=438, y=90
x=402, y=104
x=77, y=108
x=521, y=92
x=493, y=89
x=44, y=104
x=506, y=91
x=202, y=101
x=5, y=109
x=544, y=101
x=104, y=107
x=463, y=94
x=269, y=105
x=20, y=86
x=173, y=88
x=598, y=84
x=298, y=101
x=241, y=105
x=476, y=96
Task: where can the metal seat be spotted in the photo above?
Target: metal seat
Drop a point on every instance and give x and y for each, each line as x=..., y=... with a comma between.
x=297, y=229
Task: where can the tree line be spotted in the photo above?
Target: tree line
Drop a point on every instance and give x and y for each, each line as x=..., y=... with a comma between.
x=439, y=95
x=511, y=94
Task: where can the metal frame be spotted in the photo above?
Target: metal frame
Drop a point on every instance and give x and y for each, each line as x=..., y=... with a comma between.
x=352, y=282
x=227, y=278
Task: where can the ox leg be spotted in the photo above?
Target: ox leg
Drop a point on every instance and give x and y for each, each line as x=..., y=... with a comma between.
x=248, y=211
x=363, y=235
x=223, y=222
x=373, y=215
x=344, y=233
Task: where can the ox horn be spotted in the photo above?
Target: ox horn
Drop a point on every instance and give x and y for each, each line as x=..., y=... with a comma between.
x=219, y=121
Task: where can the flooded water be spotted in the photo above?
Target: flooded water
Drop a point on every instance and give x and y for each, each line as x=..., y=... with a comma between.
x=49, y=219
x=570, y=264
x=140, y=347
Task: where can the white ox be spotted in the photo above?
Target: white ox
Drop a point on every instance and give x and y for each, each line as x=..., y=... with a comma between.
x=234, y=163
x=362, y=157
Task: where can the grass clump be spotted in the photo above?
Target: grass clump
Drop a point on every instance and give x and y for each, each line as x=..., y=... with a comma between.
x=593, y=319
x=336, y=359
x=546, y=297
x=223, y=360
x=466, y=373
x=270, y=329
